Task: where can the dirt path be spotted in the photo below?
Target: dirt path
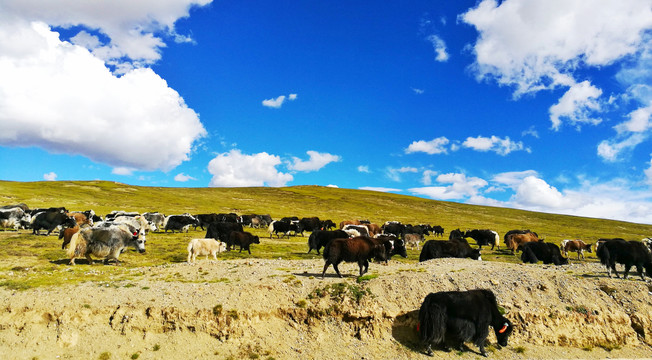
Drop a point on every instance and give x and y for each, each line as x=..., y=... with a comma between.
x=280, y=309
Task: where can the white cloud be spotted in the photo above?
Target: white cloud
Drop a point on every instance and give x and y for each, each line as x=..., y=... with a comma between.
x=62, y=98
x=639, y=121
x=440, y=48
x=576, y=105
x=461, y=187
x=181, y=177
x=493, y=143
x=51, y=176
x=609, y=200
x=536, y=44
x=535, y=193
x=235, y=169
x=434, y=146
x=617, y=199
x=274, y=103
x=316, y=162
x=364, y=169
x=332, y=186
x=278, y=102
x=379, y=189
x=418, y=91
x=135, y=29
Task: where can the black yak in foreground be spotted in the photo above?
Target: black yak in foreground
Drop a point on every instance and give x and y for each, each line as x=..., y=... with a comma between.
x=358, y=249
x=451, y=318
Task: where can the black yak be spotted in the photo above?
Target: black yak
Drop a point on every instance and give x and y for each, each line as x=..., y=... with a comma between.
x=320, y=238
x=451, y=318
x=435, y=249
x=549, y=253
x=242, y=239
x=359, y=249
x=628, y=253
x=484, y=237
x=393, y=246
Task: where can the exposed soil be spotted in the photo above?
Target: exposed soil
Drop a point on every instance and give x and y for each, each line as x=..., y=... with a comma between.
x=262, y=309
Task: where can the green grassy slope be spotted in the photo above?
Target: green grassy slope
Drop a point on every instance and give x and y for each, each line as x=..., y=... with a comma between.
x=326, y=203
x=28, y=260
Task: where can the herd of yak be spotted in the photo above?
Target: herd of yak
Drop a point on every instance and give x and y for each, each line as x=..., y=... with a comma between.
x=445, y=318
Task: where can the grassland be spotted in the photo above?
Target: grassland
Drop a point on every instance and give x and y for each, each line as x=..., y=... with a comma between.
x=30, y=261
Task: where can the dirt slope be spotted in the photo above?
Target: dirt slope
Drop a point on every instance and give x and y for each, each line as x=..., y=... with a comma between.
x=263, y=309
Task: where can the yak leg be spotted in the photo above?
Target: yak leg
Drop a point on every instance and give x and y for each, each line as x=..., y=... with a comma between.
x=363, y=264
x=325, y=267
x=90, y=260
x=613, y=267
x=639, y=268
x=429, y=350
x=336, y=269
x=627, y=268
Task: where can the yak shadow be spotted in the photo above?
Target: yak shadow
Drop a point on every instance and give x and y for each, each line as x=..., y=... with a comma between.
x=327, y=275
x=404, y=331
x=84, y=261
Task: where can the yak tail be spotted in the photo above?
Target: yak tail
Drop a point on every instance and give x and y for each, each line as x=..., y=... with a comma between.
x=528, y=256
x=432, y=322
x=77, y=246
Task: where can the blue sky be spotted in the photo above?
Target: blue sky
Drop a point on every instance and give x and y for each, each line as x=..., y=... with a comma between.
x=542, y=105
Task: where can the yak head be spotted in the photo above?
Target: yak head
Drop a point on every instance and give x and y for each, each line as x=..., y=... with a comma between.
x=138, y=240
x=379, y=252
x=399, y=248
x=503, y=331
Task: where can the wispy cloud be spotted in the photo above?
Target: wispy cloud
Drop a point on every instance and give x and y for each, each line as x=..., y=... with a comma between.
x=440, y=48
x=379, y=189
x=181, y=177
x=531, y=131
x=364, y=169
x=124, y=171
x=394, y=174
x=494, y=143
x=51, y=176
x=277, y=102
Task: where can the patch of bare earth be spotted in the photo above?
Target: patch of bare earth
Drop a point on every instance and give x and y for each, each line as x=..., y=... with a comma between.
x=264, y=309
